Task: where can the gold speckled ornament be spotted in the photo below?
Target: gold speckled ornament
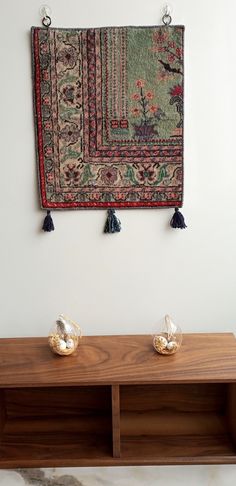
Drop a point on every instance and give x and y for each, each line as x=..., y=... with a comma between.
x=65, y=336
x=169, y=339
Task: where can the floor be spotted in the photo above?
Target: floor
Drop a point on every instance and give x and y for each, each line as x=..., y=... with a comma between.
x=122, y=476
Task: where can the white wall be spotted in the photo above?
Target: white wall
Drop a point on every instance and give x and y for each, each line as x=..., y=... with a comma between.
x=123, y=283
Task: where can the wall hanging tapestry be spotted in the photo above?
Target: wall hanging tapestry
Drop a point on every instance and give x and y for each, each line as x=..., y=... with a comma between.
x=109, y=118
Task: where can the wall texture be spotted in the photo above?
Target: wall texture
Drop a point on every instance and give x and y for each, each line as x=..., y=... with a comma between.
x=124, y=283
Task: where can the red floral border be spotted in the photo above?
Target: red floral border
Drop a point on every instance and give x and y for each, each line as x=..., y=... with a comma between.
x=39, y=119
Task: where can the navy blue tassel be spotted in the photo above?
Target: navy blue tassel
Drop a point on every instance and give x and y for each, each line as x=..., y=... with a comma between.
x=113, y=224
x=48, y=223
x=177, y=220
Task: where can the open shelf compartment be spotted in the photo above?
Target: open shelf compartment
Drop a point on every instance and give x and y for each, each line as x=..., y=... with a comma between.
x=171, y=424
x=56, y=425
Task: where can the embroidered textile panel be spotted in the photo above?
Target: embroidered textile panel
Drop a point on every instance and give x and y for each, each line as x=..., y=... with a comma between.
x=109, y=116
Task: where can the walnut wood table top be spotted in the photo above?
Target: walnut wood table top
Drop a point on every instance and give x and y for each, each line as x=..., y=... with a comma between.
x=29, y=362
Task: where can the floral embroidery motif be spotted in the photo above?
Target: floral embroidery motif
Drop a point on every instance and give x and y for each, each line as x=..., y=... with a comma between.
x=72, y=174
x=68, y=57
x=146, y=173
x=70, y=133
x=71, y=93
x=109, y=175
x=149, y=114
x=169, y=51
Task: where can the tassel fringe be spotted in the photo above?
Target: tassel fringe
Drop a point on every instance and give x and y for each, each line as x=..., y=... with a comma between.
x=113, y=224
x=177, y=220
x=48, y=223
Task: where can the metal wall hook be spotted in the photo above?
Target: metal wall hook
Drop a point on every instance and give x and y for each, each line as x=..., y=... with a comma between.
x=45, y=14
x=166, y=19
x=46, y=21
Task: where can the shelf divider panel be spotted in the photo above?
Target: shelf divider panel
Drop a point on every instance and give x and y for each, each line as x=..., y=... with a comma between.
x=116, y=420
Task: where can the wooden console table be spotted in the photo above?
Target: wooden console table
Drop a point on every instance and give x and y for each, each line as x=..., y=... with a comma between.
x=117, y=402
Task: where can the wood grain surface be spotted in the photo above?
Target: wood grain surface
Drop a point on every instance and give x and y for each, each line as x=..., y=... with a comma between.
x=56, y=401
x=196, y=397
x=172, y=449
x=117, y=402
x=116, y=420
x=117, y=360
